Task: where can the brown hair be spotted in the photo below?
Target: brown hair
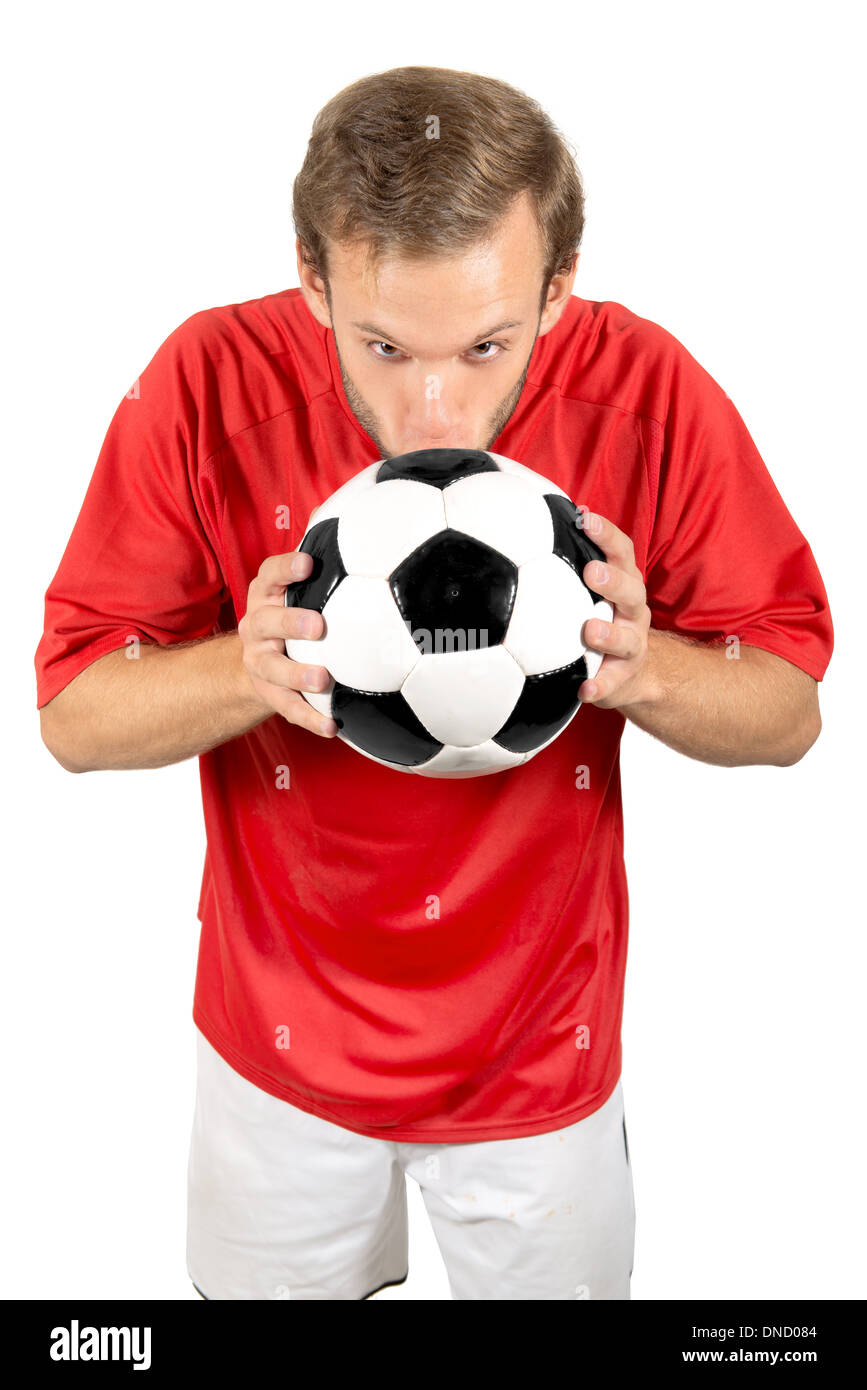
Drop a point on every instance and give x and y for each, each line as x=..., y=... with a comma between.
x=373, y=174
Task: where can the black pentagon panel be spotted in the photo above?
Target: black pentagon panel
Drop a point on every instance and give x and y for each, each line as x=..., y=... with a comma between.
x=327, y=572
x=546, y=703
x=439, y=467
x=571, y=541
x=455, y=583
x=383, y=725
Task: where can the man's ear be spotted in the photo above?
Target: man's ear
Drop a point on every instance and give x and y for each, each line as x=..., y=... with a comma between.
x=312, y=288
x=559, y=292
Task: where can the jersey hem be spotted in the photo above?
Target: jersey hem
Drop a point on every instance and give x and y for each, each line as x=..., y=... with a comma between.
x=804, y=663
x=63, y=672
x=400, y=1134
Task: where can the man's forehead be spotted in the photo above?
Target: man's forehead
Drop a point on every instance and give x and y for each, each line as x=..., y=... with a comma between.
x=453, y=321
x=470, y=295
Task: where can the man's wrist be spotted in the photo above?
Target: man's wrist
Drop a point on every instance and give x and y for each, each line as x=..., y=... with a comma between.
x=651, y=686
x=252, y=702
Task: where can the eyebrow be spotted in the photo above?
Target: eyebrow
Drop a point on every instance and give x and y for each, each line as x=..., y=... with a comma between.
x=482, y=337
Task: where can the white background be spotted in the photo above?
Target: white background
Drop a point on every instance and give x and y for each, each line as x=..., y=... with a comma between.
x=149, y=156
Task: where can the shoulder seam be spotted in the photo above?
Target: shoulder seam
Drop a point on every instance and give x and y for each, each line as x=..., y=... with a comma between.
x=254, y=424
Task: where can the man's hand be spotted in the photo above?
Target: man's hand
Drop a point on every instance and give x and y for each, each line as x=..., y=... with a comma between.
x=760, y=709
x=622, y=678
x=263, y=631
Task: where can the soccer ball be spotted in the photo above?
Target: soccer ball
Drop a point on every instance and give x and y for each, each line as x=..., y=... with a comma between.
x=450, y=582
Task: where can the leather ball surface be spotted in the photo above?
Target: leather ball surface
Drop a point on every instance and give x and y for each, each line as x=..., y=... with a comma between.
x=450, y=583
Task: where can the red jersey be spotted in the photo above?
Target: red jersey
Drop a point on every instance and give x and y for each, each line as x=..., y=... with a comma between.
x=417, y=959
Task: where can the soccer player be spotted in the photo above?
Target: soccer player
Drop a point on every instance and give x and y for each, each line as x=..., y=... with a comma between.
x=400, y=975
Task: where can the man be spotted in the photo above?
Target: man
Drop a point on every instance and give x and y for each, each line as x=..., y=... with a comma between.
x=398, y=975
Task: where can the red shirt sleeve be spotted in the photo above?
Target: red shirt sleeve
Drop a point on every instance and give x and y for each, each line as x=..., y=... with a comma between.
x=140, y=561
x=725, y=556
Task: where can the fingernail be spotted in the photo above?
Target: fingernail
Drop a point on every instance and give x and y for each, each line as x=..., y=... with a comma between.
x=300, y=563
x=601, y=573
x=604, y=629
x=328, y=726
x=311, y=679
x=308, y=624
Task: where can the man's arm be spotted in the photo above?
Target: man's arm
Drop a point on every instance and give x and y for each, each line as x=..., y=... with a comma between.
x=165, y=705
x=171, y=703
x=732, y=711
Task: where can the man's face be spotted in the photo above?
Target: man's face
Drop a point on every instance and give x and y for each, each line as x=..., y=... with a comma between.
x=434, y=353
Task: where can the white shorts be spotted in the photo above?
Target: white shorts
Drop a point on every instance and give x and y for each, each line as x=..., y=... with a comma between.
x=283, y=1204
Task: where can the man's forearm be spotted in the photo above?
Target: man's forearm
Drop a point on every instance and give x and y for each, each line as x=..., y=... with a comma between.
x=160, y=707
x=732, y=711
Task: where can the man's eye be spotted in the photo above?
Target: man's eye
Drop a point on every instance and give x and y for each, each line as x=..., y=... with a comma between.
x=483, y=352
